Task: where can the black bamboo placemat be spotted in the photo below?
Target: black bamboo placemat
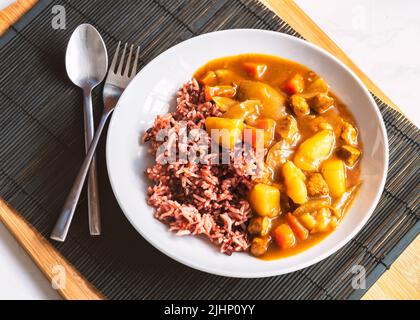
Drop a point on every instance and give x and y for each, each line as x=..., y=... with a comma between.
x=41, y=148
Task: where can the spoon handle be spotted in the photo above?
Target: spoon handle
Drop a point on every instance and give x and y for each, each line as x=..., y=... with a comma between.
x=93, y=196
x=62, y=225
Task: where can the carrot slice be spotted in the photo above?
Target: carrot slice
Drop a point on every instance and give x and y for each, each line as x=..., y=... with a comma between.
x=268, y=125
x=300, y=231
x=208, y=93
x=265, y=123
x=284, y=236
x=295, y=84
x=257, y=136
x=255, y=70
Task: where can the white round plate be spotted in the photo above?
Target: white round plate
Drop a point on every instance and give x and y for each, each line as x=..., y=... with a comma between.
x=151, y=93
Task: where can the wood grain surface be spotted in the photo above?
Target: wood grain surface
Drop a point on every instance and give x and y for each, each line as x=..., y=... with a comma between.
x=67, y=280
x=402, y=281
x=11, y=14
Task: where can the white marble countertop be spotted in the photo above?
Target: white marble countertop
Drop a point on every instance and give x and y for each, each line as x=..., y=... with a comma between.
x=381, y=37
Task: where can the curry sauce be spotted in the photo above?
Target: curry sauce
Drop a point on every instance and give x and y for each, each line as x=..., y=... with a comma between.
x=311, y=141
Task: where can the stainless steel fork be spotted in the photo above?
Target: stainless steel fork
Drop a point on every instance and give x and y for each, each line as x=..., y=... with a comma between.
x=116, y=82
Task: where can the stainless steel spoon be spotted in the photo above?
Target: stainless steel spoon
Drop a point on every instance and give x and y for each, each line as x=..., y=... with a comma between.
x=87, y=64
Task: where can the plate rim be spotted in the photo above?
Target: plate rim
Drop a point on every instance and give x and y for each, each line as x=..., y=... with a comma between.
x=235, y=274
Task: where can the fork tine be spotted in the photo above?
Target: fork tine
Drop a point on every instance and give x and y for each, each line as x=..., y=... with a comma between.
x=120, y=66
x=127, y=64
x=114, y=60
x=134, y=68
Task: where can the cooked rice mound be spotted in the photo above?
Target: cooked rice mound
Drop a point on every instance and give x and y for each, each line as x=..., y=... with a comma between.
x=198, y=198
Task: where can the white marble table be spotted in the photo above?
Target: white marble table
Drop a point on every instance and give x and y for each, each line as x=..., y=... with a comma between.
x=381, y=36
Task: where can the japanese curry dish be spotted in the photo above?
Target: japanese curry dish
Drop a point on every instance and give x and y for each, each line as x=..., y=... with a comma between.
x=277, y=204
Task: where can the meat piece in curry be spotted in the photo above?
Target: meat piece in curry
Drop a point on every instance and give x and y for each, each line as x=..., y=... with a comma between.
x=311, y=144
x=317, y=187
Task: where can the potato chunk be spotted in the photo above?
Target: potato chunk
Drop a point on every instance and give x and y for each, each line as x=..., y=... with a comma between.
x=318, y=86
x=287, y=128
x=259, y=226
x=334, y=173
x=295, y=183
x=299, y=105
x=348, y=133
x=321, y=102
x=308, y=221
x=349, y=154
x=224, y=103
x=323, y=219
x=316, y=185
x=226, y=131
x=314, y=150
x=273, y=103
x=265, y=200
x=259, y=245
x=227, y=77
x=243, y=110
x=209, y=79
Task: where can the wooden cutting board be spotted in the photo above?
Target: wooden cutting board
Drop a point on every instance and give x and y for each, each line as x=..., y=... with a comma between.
x=62, y=275
x=402, y=281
